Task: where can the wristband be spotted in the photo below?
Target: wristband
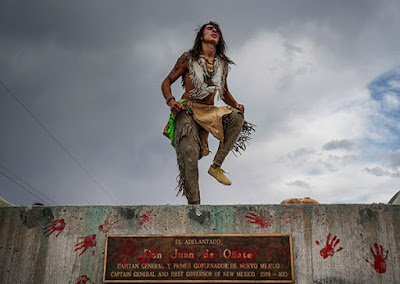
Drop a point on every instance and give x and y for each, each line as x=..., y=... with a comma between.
x=169, y=98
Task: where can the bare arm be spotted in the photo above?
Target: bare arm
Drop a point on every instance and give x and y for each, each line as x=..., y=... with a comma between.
x=180, y=68
x=229, y=100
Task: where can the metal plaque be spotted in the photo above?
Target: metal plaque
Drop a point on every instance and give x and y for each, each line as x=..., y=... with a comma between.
x=199, y=259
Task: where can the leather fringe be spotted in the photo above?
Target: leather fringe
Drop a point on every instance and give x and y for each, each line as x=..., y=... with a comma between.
x=185, y=130
x=243, y=138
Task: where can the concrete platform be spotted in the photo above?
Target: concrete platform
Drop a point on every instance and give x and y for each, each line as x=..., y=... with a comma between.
x=66, y=244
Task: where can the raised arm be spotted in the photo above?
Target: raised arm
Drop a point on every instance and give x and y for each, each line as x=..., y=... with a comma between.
x=228, y=98
x=180, y=68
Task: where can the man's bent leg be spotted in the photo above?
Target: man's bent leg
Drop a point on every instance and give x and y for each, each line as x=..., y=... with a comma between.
x=232, y=123
x=187, y=148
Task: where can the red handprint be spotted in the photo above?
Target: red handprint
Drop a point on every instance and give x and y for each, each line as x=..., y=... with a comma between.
x=83, y=279
x=109, y=223
x=148, y=255
x=89, y=241
x=211, y=255
x=56, y=225
x=329, y=250
x=288, y=216
x=380, y=261
x=145, y=218
x=124, y=253
x=259, y=220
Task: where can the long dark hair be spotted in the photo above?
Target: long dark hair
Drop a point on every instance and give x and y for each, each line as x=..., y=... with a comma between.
x=221, y=46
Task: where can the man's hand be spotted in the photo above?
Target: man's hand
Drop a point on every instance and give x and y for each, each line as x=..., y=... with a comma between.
x=175, y=106
x=239, y=107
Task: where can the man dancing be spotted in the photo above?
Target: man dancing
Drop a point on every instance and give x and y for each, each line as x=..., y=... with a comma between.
x=204, y=70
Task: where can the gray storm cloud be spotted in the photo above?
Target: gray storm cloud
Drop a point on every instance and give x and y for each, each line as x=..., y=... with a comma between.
x=91, y=72
x=339, y=144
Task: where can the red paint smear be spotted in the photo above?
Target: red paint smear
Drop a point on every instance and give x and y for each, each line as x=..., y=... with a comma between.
x=123, y=254
x=317, y=242
x=278, y=254
x=83, y=279
x=145, y=217
x=259, y=220
x=237, y=249
x=89, y=241
x=109, y=223
x=211, y=256
x=379, y=260
x=329, y=249
x=148, y=256
x=56, y=225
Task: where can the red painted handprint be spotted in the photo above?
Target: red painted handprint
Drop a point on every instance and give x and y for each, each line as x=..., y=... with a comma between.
x=145, y=218
x=379, y=260
x=289, y=215
x=56, y=225
x=329, y=250
x=83, y=279
x=124, y=253
x=211, y=255
x=259, y=220
x=89, y=241
x=109, y=223
x=148, y=254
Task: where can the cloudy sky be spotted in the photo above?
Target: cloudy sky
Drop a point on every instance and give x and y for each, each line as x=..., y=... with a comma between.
x=81, y=110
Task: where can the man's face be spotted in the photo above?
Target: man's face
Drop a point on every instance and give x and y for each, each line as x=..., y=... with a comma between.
x=211, y=34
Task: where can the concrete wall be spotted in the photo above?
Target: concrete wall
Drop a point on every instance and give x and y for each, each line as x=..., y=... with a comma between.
x=65, y=244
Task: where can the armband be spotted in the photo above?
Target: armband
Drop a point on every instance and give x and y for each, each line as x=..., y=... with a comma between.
x=169, y=98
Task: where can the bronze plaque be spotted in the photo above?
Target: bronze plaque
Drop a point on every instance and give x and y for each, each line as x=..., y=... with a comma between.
x=199, y=259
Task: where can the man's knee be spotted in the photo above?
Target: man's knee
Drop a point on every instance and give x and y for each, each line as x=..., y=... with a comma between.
x=237, y=115
x=236, y=118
